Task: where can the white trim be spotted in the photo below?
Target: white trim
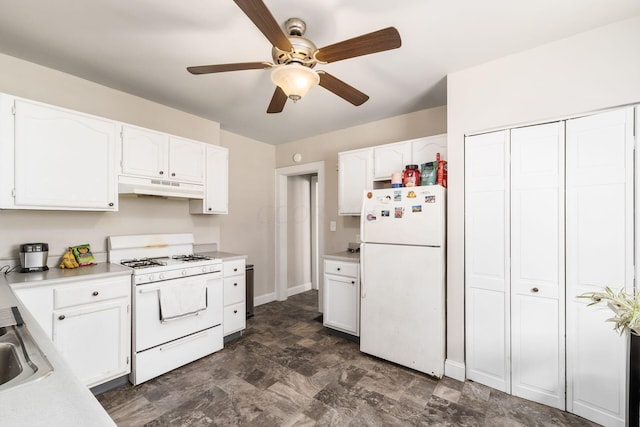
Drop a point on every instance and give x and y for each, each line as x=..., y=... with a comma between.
x=299, y=289
x=264, y=299
x=281, y=175
x=455, y=370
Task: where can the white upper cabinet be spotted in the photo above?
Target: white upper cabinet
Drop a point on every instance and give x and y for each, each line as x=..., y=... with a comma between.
x=154, y=154
x=186, y=160
x=145, y=152
x=390, y=158
x=64, y=160
x=424, y=150
x=216, y=196
x=354, y=177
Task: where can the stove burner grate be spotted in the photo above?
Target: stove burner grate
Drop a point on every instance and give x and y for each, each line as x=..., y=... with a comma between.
x=190, y=258
x=141, y=263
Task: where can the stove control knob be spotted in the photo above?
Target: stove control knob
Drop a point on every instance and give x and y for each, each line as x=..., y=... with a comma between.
x=161, y=276
x=184, y=272
x=151, y=277
x=204, y=269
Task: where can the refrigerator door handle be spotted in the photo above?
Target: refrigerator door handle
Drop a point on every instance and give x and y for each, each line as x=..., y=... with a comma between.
x=363, y=290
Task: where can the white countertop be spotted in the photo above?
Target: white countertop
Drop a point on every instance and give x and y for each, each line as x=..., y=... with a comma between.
x=224, y=256
x=344, y=256
x=58, y=399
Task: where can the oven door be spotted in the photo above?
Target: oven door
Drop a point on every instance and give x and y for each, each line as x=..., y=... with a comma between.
x=150, y=331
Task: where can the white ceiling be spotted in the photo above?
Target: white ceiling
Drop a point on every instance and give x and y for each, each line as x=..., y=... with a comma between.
x=143, y=47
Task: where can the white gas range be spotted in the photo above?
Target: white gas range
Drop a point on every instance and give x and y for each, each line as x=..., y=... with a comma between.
x=177, y=301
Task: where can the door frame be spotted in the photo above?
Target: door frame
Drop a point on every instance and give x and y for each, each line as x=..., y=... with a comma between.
x=281, y=175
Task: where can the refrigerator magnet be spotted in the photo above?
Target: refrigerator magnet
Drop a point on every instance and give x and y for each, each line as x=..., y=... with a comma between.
x=371, y=217
x=416, y=208
x=430, y=198
x=399, y=212
x=411, y=195
x=397, y=195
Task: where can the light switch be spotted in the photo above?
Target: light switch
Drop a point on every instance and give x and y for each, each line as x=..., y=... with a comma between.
x=332, y=226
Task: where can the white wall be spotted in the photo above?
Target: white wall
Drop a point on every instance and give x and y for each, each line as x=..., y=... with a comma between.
x=584, y=73
x=298, y=231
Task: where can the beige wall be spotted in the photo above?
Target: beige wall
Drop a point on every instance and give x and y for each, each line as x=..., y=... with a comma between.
x=247, y=229
x=591, y=71
x=327, y=146
x=249, y=226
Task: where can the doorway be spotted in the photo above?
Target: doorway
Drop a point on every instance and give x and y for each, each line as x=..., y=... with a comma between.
x=283, y=217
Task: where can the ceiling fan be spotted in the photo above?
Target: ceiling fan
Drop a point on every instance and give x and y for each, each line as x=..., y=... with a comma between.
x=295, y=56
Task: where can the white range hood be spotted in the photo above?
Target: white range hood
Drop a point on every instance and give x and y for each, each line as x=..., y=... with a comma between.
x=159, y=187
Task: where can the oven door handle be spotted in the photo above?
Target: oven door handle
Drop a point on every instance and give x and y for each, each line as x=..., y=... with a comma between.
x=182, y=316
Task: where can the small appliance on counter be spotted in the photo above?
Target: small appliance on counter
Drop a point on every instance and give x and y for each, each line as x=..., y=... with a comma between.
x=33, y=257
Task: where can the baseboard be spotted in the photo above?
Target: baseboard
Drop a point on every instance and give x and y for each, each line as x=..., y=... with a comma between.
x=299, y=289
x=455, y=370
x=264, y=299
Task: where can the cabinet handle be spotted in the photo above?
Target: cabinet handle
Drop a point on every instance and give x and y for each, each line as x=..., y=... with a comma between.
x=95, y=293
x=62, y=317
x=353, y=282
x=235, y=269
x=210, y=209
x=338, y=268
x=161, y=172
x=111, y=204
x=235, y=284
x=173, y=174
x=235, y=311
x=534, y=290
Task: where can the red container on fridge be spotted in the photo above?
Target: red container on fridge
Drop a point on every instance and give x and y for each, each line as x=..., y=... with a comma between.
x=411, y=176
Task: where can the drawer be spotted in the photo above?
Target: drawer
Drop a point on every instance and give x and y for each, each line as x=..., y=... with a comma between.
x=341, y=268
x=231, y=268
x=234, y=289
x=163, y=358
x=235, y=317
x=91, y=291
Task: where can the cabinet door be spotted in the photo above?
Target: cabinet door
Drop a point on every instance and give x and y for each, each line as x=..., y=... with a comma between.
x=391, y=158
x=216, y=198
x=39, y=302
x=186, y=160
x=537, y=264
x=599, y=253
x=144, y=152
x=64, y=159
x=94, y=340
x=354, y=177
x=424, y=150
x=342, y=303
x=486, y=259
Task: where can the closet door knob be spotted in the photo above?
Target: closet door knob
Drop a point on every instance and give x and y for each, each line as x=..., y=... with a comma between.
x=534, y=290
x=62, y=317
x=95, y=293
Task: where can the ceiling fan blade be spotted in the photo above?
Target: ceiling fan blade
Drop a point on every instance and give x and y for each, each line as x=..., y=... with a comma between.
x=277, y=101
x=378, y=41
x=258, y=12
x=221, y=68
x=343, y=90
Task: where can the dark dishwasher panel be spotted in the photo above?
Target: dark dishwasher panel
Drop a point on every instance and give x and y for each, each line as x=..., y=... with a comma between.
x=249, y=290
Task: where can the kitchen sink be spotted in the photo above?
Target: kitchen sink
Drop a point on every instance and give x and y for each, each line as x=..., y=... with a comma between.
x=21, y=360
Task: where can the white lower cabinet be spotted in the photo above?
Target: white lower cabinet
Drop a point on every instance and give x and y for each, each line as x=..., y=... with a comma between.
x=234, y=285
x=342, y=296
x=89, y=323
x=549, y=216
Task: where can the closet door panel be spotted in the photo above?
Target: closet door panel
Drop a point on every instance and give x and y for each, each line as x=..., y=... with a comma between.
x=599, y=253
x=537, y=263
x=486, y=260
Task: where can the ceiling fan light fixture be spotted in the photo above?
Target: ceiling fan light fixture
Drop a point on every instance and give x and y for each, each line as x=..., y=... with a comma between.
x=294, y=79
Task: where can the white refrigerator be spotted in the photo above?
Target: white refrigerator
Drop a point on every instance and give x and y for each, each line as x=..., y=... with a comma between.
x=402, y=256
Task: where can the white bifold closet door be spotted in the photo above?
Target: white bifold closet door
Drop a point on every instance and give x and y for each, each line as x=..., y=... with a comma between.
x=600, y=232
x=537, y=264
x=487, y=259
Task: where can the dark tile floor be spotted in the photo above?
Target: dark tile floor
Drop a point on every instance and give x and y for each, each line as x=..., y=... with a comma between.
x=288, y=371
